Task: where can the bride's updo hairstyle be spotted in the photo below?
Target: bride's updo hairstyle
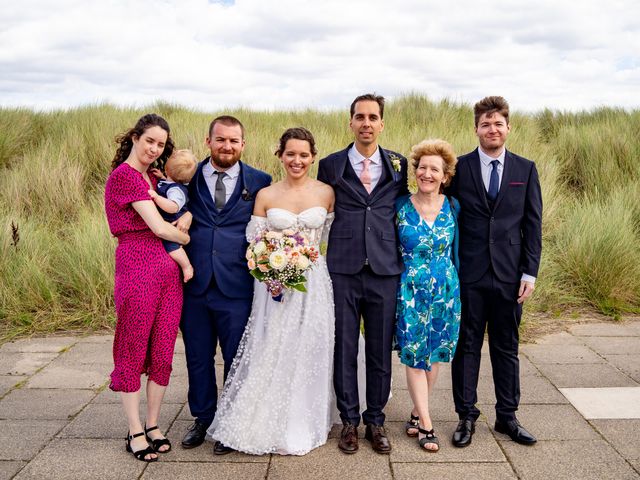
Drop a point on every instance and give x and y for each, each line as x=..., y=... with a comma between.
x=296, y=133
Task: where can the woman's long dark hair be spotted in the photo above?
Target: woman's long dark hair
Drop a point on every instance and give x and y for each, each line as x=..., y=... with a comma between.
x=125, y=140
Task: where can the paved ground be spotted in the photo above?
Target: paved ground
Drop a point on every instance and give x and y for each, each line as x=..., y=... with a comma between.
x=57, y=419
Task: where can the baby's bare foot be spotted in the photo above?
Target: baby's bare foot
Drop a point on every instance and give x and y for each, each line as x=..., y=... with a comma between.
x=187, y=273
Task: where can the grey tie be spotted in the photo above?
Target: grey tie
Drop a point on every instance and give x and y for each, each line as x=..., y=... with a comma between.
x=221, y=192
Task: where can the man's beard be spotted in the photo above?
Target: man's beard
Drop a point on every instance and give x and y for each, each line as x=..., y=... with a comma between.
x=226, y=163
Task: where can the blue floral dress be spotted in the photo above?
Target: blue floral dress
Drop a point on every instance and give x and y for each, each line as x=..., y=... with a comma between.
x=428, y=300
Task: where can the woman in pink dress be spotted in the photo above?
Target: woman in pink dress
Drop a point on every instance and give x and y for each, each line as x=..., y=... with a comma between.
x=148, y=291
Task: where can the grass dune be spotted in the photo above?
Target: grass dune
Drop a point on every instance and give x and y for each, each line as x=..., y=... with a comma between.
x=57, y=271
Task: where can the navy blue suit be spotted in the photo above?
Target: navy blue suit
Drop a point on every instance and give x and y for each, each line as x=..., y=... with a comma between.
x=499, y=241
x=365, y=266
x=217, y=301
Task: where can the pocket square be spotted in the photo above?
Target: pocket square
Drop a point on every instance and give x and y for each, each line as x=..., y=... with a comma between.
x=516, y=184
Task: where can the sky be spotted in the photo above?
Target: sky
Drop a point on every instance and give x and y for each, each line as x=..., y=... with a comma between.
x=298, y=54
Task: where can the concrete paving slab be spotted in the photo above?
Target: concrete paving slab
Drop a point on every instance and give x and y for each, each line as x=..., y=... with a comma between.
x=74, y=459
x=87, y=354
x=549, y=422
x=43, y=404
x=568, y=460
x=629, y=364
x=9, y=468
x=537, y=390
x=614, y=345
x=560, y=338
x=68, y=377
x=179, y=365
x=107, y=420
x=594, y=375
x=19, y=363
x=595, y=403
x=189, y=471
x=483, y=448
x=565, y=354
x=41, y=344
x=23, y=439
x=622, y=434
x=203, y=453
x=328, y=463
x=452, y=471
x=440, y=406
x=7, y=382
x=604, y=329
x=98, y=338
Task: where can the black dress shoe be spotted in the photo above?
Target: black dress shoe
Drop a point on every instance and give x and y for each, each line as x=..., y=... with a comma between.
x=464, y=432
x=516, y=431
x=195, y=435
x=220, y=449
x=378, y=438
x=348, y=439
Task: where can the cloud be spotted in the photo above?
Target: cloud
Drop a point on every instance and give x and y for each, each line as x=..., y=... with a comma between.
x=296, y=54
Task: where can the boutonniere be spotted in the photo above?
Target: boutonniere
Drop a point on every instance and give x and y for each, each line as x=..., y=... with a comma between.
x=246, y=195
x=395, y=162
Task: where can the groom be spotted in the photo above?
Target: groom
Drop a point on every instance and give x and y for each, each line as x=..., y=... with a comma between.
x=217, y=301
x=500, y=244
x=365, y=266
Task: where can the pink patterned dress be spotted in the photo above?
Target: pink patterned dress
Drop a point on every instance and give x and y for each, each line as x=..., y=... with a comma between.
x=148, y=291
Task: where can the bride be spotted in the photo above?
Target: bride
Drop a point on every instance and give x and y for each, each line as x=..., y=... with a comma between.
x=278, y=397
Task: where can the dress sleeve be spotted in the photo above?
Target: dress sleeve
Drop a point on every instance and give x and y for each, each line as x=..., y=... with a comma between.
x=255, y=225
x=324, y=237
x=128, y=186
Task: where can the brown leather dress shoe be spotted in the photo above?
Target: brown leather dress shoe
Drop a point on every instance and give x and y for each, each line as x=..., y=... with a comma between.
x=348, y=438
x=378, y=438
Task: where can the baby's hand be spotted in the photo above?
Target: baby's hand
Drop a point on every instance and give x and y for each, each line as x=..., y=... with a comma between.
x=153, y=194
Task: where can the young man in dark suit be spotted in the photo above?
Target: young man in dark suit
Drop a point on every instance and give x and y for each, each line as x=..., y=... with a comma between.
x=217, y=301
x=500, y=244
x=365, y=267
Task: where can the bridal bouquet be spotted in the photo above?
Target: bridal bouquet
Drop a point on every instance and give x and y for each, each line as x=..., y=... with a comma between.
x=280, y=259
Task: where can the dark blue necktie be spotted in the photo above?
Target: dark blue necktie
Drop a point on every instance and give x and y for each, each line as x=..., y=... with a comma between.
x=494, y=181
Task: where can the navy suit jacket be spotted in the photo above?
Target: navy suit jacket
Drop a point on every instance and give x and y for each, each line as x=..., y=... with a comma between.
x=218, y=243
x=507, y=238
x=364, y=224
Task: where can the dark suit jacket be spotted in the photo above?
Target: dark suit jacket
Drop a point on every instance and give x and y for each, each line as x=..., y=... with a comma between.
x=218, y=243
x=507, y=238
x=364, y=225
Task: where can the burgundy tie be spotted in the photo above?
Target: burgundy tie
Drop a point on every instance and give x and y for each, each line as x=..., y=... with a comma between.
x=365, y=175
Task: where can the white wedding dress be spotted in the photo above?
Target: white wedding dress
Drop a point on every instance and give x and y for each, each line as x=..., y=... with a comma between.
x=278, y=397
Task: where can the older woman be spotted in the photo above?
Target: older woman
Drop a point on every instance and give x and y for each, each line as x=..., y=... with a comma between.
x=148, y=292
x=428, y=308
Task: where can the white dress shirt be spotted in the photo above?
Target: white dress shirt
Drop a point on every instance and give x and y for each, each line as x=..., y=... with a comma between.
x=485, y=167
x=230, y=180
x=375, y=167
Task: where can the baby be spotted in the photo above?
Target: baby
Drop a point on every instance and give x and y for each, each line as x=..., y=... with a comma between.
x=171, y=198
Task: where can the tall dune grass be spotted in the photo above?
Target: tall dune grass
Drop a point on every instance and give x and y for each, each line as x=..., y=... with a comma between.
x=53, y=167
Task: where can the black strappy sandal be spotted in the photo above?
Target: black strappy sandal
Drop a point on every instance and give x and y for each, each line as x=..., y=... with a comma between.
x=413, y=423
x=429, y=438
x=158, y=442
x=140, y=454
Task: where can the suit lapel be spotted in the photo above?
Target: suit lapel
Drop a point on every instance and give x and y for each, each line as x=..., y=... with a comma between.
x=203, y=192
x=476, y=174
x=387, y=178
x=354, y=187
x=507, y=175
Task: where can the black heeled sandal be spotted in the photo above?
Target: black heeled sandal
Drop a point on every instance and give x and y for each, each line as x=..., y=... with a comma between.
x=158, y=442
x=429, y=438
x=413, y=423
x=140, y=454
